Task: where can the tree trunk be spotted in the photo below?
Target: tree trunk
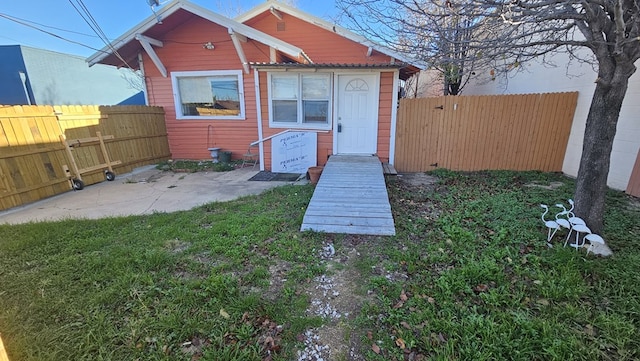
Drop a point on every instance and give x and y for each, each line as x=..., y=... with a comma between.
x=591, y=183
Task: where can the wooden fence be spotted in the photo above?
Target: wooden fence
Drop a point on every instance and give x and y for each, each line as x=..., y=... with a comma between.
x=516, y=132
x=32, y=154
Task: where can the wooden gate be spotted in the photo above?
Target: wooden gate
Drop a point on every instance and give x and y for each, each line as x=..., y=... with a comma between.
x=516, y=132
x=32, y=156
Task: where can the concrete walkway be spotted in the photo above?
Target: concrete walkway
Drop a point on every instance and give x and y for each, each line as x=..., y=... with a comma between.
x=351, y=197
x=144, y=191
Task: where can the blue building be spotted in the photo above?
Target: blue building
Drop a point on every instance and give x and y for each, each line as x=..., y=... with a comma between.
x=42, y=77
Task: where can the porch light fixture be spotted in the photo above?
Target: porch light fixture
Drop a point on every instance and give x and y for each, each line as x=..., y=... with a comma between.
x=208, y=45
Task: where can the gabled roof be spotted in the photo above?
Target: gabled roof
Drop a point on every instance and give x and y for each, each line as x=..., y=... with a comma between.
x=272, y=5
x=173, y=14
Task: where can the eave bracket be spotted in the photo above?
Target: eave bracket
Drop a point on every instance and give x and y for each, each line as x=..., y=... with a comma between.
x=147, y=43
x=237, y=39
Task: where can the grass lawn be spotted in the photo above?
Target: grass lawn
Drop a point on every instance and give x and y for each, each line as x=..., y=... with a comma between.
x=468, y=277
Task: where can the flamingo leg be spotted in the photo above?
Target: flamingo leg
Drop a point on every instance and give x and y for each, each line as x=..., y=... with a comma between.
x=568, y=235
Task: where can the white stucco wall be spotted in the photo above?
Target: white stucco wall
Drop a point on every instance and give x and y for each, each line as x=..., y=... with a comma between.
x=538, y=78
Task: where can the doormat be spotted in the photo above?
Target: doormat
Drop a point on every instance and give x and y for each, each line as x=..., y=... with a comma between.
x=265, y=176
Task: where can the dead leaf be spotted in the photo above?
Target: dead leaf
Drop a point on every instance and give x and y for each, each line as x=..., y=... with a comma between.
x=224, y=313
x=398, y=305
x=481, y=288
x=269, y=341
x=370, y=335
x=375, y=348
x=441, y=337
x=403, y=296
x=245, y=316
x=405, y=325
x=400, y=343
x=543, y=302
x=434, y=338
x=589, y=330
x=431, y=300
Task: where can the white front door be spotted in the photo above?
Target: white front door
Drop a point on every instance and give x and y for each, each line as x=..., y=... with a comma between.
x=357, y=120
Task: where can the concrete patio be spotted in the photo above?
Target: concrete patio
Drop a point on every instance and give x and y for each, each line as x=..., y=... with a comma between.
x=146, y=190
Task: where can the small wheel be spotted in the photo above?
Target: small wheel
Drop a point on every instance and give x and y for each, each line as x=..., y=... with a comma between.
x=110, y=176
x=78, y=185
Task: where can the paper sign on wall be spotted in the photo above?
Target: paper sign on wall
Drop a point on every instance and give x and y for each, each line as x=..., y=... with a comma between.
x=294, y=152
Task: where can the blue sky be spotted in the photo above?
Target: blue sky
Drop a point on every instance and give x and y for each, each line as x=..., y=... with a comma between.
x=114, y=17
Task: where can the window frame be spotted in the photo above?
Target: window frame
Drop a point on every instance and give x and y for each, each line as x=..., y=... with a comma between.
x=299, y=123
x=204, y=74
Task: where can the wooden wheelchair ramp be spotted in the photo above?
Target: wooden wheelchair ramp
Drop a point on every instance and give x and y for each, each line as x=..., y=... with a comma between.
x=351, y=197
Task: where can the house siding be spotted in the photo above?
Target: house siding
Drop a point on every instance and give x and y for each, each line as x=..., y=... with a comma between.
x=384, y=115
x=325, y=139
x=183, y=51
x=321, y=45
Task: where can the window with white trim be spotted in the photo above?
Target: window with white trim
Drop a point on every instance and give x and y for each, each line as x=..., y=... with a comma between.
x=300, y=100
x=216, y=94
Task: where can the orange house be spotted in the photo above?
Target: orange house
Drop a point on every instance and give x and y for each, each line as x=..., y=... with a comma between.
x=269, y=78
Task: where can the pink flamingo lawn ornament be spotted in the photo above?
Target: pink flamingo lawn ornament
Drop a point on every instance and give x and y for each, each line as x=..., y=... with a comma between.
x=552, y=226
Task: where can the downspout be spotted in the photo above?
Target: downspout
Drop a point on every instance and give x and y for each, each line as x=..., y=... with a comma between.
x=394, y=116
x=256, y=80
x=144, y=79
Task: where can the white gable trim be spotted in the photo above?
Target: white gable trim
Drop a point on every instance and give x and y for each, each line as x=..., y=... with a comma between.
x=176, y=5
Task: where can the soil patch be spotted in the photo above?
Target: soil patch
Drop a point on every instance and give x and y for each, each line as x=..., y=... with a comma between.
x=418, y=179
x=551, y=186
x=335, y=297
x=265, y=176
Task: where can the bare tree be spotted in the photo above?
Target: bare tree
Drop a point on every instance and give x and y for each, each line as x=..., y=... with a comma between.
x=515, y=31
x=234, y=8
x=229, y=8
x=433, y=31
x=134, y=78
